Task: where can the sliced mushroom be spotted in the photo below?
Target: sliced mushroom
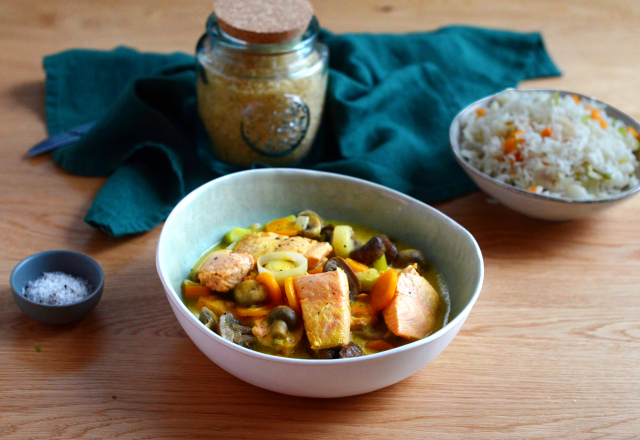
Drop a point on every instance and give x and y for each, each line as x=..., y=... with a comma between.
x=245, y=340
x=368, y=334
x=391, y=251
x=326, y=234
x=225, y=326
x=279, y=329
x=371, y=251
x=346, y=351
x=350, y=350
x=285, y=314
x=410, y=256
x=230, y=329
x=326, y=353
x=355, y=287
x=208, y=318
x=310, y=213
x=249, y=293
x=314, y=226
x=242, y=329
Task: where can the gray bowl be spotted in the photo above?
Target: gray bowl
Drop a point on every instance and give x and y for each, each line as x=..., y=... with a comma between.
x=525, y=202
x=70, y=262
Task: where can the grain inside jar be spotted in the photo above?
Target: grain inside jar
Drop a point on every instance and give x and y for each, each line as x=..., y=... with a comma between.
x=262, y=79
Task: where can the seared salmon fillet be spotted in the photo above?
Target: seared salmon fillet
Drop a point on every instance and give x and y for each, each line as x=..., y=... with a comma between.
x=223, y=270
x=314, y=251
x=260, y=243
x=326, y=313
x=413, y=311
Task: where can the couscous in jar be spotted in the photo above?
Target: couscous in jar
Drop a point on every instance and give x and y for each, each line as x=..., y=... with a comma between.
x=261, y=102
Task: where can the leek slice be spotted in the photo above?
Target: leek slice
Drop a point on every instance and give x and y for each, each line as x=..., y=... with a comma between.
x=368, y=278
x=343, y=241
x=236, y=234
x=282, y=260
x=279, y=265
x=593, y=174
x=381, y=264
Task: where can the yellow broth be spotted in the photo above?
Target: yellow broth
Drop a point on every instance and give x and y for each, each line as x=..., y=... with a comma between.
x=360, y=337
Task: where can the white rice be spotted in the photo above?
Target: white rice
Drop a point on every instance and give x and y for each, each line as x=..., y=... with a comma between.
x=579, y=160
x=57, y=289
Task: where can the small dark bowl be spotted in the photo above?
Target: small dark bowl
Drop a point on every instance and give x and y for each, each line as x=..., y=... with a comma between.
x=70, y=262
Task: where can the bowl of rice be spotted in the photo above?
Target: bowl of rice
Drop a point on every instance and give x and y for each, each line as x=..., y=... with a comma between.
x=549, y=154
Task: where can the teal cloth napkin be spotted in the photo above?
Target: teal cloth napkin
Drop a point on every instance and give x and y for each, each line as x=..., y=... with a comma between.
x=390, y=102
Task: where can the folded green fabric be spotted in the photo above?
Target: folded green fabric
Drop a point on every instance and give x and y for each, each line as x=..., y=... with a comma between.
x=390, y=102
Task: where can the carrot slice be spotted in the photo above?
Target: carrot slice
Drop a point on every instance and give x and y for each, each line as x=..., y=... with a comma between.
x=481, y=112
x=275, y=294
x=379, y=345
x=283, y=226
x=576, y=98
x=192, y=290
x=511, y=143
x=357, y=266
x=290, y=293
x=546, y=132
x=533, y=188
x=633, y=132
x=595, y=114
x=383, y=290
x=319, y=268
x=253, y=310
x=519, y=157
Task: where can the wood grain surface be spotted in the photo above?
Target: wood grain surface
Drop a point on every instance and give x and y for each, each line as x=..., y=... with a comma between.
x=550, y=350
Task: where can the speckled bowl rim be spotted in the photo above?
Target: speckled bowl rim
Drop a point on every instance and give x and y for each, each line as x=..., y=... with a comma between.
x=172, y=295
x=33, y=257
x=454, y=143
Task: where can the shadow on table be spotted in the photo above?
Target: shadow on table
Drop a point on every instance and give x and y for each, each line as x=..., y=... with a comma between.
x=504, y=234
x=213, y=399
x=63, y=348
x=30, y=95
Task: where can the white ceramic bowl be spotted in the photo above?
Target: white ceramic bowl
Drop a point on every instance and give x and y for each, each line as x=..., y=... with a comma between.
x=202, y=218
x=526, y=202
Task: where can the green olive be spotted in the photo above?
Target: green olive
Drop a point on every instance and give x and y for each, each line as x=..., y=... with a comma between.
x=249, y=293
x=279, y=329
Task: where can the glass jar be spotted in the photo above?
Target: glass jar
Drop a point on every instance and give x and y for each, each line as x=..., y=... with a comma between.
x=261, y=102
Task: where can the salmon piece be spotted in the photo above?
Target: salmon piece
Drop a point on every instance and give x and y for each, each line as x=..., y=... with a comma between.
x=412, y=314
x=258, y=244
x=362, y=314
x=223, y=270
x=262, y=331
x=261, y=243
x=326, y=313
x=314, y=251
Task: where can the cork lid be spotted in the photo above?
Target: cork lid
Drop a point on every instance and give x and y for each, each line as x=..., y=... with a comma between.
x=263, y=21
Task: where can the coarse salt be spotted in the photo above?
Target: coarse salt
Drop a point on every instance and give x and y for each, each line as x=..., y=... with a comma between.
x=57, y=289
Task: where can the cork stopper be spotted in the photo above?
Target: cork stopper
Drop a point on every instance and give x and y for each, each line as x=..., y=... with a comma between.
x=263, y=21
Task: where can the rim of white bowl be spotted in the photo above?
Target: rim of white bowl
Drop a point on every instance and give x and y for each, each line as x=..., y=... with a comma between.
x=454, y=143
x=173, y=296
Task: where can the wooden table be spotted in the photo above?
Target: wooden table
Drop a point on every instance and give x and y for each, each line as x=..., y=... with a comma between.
x=551, y=349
